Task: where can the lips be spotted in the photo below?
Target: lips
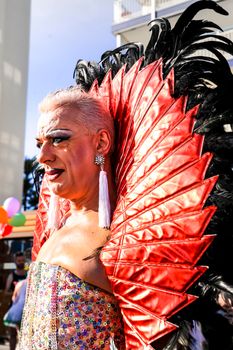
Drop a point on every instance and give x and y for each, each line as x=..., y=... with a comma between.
x=53, y=174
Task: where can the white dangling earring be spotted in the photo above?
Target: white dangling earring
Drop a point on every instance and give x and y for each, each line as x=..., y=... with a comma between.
x=53, y=223
x=104, y=202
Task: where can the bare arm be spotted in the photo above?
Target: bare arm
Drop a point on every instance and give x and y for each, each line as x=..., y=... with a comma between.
x=95, y=274
x=8, y=283
x=17, y=290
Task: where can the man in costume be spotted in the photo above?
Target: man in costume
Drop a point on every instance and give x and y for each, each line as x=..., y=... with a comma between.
x=164, y=176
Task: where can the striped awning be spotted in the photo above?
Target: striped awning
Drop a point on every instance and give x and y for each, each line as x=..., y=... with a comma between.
x=27, y=229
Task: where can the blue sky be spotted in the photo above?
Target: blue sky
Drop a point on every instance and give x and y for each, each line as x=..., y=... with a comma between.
x=62, y=31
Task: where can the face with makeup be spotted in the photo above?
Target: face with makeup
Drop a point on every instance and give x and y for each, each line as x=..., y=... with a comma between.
x=67, y=150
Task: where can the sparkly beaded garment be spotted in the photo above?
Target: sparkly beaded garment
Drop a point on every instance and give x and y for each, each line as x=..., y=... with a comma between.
x=64, y=312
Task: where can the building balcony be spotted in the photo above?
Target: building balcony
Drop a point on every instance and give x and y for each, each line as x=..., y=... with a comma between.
x=131, y=14
x=126, y=10
x=131, y=18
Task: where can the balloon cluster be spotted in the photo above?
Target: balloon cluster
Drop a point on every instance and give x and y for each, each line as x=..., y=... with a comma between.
x=10, y=216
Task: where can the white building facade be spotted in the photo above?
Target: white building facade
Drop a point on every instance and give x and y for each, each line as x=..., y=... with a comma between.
x=14, y=52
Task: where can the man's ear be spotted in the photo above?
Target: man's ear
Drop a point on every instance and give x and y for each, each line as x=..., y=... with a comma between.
x=104, y=142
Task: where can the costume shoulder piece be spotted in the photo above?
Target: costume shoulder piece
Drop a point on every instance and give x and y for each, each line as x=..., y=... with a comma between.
x=173, y=166
x=157, y=228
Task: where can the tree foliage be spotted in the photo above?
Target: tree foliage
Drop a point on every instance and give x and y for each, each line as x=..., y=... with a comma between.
x=30, y=195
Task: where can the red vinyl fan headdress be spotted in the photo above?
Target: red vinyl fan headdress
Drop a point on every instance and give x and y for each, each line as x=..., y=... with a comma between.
x=159, y=221
x=158, y=224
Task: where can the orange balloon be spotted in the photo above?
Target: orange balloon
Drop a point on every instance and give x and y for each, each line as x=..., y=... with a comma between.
x=3, y=216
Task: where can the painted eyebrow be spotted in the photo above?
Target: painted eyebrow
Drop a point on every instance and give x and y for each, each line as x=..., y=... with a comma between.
x=55, y=131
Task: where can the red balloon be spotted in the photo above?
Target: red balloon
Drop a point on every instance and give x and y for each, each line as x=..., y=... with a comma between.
x=5, y=230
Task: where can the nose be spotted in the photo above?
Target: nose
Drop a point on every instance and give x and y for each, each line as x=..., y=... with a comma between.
x=45, y=154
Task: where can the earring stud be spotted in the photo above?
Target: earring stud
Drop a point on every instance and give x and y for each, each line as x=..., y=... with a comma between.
x=99, y=159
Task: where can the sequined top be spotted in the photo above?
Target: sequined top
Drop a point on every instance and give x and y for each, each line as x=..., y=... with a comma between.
x=64, y=312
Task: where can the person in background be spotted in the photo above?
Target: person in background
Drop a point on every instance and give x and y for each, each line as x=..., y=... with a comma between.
x=18, y=274
x=13, y=317
x=13, y=278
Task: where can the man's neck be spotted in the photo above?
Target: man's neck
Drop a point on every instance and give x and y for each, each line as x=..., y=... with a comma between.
x=20, y=272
